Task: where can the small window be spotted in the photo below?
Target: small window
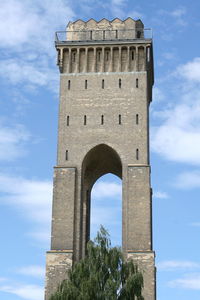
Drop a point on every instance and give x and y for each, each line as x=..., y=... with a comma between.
x=66, y=155
x=120, y=83
x=137, y=119
x=102, y=84
x=91, y=34
x=104, y=34
x=67, y=120
x=137, y=83
x=120, y=119
x=99, y=56
x=137, y=154
x=69, y=84
x=102, y=119
x=74, y=57
x=85, y=120
x=132, y=54
x=86, y=84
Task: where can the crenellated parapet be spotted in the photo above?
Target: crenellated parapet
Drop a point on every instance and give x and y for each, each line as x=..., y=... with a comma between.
x=105, y=29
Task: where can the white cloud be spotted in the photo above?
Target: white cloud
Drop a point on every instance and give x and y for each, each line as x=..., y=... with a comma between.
x=29, y=292
x=191, y=70
x=30, y=196
x=35, y=271
x=160, y=195
x=27, y=32
x=178, y=138
x=173, y=265
x=179, y=12
x=188, y=180
x=32, y=200
x=191, y=281
x=195, y=224
x=104, y=189
x=12, y=142
x=19, y=71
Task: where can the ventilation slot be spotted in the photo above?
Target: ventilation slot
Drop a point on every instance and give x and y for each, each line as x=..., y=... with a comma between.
x=137, y=119
x=120, y=119
x=137, y=154
x=66, y=155
x=102, y=84
x=69, y=85
x=120, y=83
x=67, y=120
x=85, y=120
x=86, y=84
x=137, y=83
x=102, y=119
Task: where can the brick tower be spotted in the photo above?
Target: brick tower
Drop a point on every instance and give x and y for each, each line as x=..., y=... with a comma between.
x=105, y=89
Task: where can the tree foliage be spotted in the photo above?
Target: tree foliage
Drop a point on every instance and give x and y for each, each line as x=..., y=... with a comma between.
x=102, y=275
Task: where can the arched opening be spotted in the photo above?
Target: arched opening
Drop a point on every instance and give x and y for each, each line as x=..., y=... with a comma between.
x=106, y=207
x=99, y=161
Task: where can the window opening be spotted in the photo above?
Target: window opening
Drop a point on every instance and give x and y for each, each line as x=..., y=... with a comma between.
x=69, y=84
x=66, y=155
x=137, y=154
x=137, y=119
x=102, y=83
x=120, y=83
x=74, y=57
x=137, y=83
x=132, y=55
x=102, y=119
x=99, y=56
x=86, y=84
x=91, y=34
x=85, y=120
x=67, y=120
x=120, y=119
x=104, y=35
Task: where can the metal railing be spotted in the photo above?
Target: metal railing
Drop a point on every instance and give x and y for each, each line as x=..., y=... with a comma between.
x=101, y=35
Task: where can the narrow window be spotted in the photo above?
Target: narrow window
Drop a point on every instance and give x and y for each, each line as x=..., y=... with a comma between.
x=107, y=55
x=132, y=55
x=116, y=34
x=69, y=84
x=137, y=84
x=102, y=84
x=86, y=84
x=102, y=119
x=104, y=35
x=137, y=119
x=74, y=57
x=91, y=34
x=66, y=155
x=67, y=120
x=99, y=56
x=85, y=120
x=137, y=154
x=120, y=83
x=120, y=119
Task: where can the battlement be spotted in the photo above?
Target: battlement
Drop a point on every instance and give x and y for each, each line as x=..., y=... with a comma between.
x=104, y=30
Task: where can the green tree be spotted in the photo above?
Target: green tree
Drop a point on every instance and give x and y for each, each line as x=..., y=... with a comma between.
x=102, y=275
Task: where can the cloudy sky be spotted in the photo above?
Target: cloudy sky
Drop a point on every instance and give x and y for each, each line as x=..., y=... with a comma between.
x=28, y=130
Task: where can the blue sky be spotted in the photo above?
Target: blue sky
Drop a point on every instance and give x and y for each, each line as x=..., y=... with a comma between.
x=29, y=81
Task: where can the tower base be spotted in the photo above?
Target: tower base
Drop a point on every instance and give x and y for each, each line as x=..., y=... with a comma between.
x=57, y=265
x=146, y=264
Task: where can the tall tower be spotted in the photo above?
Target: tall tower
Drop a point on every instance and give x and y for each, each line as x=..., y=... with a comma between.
x=105, y=89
